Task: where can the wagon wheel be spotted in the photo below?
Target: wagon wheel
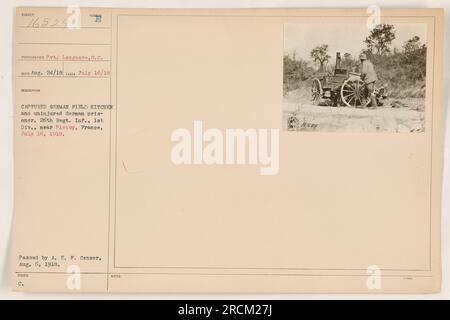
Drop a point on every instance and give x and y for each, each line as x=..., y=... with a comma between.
x=316, y=91
x=353, y=93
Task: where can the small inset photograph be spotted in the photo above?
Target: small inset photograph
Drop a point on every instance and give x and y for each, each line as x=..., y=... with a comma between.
x=347, y=77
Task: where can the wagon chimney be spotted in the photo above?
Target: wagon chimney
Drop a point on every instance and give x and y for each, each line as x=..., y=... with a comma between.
x=338, y=61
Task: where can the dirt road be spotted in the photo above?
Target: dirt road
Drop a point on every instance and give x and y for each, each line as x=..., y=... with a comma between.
x=335, y=119
x=405, y=115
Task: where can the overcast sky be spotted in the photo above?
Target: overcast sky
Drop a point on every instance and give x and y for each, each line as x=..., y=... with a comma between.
x=341, y=37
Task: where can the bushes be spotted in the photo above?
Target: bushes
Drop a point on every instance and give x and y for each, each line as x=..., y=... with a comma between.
x=402, y=71
x=295, y=71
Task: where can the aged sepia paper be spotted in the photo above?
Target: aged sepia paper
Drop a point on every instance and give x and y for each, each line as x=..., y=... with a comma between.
x=228, y=150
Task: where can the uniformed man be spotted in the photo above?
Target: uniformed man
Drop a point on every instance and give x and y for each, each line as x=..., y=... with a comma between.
x=329, y=68
x=369, y=76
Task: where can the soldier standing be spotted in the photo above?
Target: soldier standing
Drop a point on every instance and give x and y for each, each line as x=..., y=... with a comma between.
x=369, y=76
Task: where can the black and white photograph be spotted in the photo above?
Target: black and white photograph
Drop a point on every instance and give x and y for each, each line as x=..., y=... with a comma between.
x=347, y=77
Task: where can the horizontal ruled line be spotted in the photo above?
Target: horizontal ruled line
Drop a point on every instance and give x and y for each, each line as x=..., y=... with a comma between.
x=29, y=27
x=222, y=274
x=67, y=43
x=56, y=77
x=60, y=60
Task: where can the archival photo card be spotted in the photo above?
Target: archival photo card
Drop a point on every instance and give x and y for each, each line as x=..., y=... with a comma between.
x=227, y=150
